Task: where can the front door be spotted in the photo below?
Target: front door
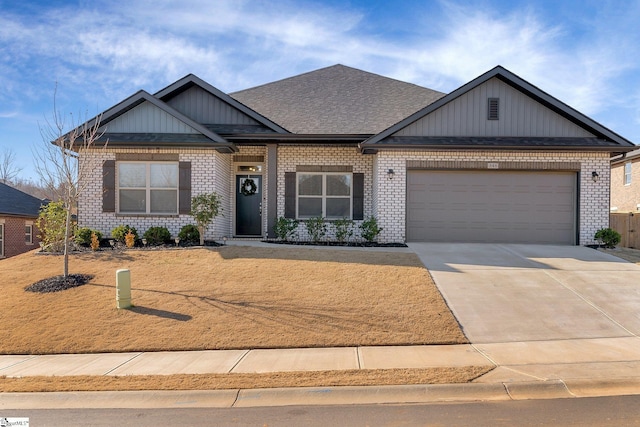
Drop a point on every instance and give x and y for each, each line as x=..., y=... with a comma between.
x=248, y=205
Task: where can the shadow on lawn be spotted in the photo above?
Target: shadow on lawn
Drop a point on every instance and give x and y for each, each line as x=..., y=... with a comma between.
x=160, y=313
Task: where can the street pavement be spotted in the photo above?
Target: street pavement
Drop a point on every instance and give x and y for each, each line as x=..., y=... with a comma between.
x=555, y=321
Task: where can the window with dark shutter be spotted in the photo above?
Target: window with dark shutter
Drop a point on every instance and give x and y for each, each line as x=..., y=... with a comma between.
x=493, y=109
x=184, y=196
x=109, y=186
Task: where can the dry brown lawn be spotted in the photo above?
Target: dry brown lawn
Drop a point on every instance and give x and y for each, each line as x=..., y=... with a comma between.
x=224, y=298
x=245, y=381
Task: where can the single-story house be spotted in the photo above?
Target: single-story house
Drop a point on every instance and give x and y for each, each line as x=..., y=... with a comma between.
x=18, y=214
x=625, y=182
x=496, y=160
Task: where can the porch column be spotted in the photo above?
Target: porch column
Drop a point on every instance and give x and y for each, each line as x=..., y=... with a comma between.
x=272, y=190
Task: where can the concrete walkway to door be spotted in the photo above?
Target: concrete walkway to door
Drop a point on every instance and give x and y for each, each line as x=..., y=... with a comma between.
x=542, y=311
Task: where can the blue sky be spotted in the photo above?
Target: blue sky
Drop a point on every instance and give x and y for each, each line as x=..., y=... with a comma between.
x=586, y=53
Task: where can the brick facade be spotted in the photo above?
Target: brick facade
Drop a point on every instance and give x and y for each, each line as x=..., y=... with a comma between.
x=290, y=157
x=625, y=197
x=390, y=195
x=14, y=236
x=210, y=171
x=383, y=198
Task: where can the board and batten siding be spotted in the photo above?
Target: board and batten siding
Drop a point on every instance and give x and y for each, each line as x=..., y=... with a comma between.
x=519, y=115
x=147, y=118
x=203, y=107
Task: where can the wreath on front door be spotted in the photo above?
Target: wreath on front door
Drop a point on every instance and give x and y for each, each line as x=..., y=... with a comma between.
x=249, y=187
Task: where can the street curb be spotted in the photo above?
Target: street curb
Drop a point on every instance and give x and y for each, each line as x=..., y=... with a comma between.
x=371, y=395
x=352, y=395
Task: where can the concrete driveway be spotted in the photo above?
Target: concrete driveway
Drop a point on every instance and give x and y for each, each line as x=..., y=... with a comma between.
x=502, y=293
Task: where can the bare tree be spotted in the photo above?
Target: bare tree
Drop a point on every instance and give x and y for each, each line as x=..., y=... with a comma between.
x=8, y=169
x=57, y=162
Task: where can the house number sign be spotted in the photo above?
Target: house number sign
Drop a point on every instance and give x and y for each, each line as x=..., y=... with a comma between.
x=493, y=166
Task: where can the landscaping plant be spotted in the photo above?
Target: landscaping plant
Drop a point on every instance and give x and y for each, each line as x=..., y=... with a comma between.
x=95, y=242
x=189, y=234
x=52, y=225
x=316, y=228
x=608, y=236
x=157, y=236
x=84, y=236
x=343, y=229
x=119, y=233
x=204, y=209
x=130, y=239
x=370, y=230
x=285, y=227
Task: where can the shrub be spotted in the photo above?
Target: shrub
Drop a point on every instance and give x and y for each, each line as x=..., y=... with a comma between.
x=52, y=225
x=189, y=234
x=83, y=235
x=157, y=236
x=95, y=242
x=121, y=231
x=130, y=239
x=316, y=228
x=608, y=236
x=285, y=227
x=343, y=229
x=370, y=230
x=204, y=209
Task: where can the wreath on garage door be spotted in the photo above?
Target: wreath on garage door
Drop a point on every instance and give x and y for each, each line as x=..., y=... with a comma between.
x=249, y=187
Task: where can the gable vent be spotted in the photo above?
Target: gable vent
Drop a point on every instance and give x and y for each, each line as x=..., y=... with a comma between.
x=493, y=108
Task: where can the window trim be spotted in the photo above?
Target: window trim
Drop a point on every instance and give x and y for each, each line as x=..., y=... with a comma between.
x=323, y=196
x=147, y=188
x=28, y=236
x=627, y=174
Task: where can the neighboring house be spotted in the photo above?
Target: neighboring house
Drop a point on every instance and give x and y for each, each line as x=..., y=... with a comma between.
x=18, y=215
x=497, y=160
x=625, y=182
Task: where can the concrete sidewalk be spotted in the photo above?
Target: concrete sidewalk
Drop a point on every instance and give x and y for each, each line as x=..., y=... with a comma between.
x=524, y=370
x=553, y=321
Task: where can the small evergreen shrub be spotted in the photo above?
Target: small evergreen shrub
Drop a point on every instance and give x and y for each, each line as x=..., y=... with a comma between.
x=189, y=234
x=157, y=236
x=316, y=228
x=369, y=229
x=95, y=242
x=52, y=225
x=343, y=229
x=608, y=236
x=121, y=231
x=285, y=227
x=83, y=235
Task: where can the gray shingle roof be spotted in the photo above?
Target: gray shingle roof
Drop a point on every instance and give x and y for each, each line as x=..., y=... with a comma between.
x=16, y=202
x=337, y=100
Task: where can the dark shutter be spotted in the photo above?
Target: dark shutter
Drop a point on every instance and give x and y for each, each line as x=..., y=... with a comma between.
x=289, y=194
x=358, y=196
x=184, y=186
x=109, y=186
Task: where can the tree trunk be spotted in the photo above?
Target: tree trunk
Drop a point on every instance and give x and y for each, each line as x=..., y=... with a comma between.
x=67, y=230
x=201, y=230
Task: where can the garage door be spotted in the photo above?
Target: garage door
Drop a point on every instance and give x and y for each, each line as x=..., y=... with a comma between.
x=491, y=206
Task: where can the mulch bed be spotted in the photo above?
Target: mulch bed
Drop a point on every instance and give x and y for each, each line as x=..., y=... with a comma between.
x=59, y=283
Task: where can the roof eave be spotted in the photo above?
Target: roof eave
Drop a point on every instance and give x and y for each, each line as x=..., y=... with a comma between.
x=374, y=149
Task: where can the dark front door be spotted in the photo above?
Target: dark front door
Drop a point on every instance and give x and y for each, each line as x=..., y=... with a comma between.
x=248, y=206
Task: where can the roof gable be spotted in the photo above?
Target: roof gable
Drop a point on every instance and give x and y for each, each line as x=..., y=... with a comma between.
x=337, y=100
x=571, y=123
x=142, y=119
x=18, y=203
x=207, y=105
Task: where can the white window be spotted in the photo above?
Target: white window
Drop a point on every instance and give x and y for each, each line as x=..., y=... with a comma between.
x=28, y=233
x=148, y=187
x=326, y=195
x=627, y=173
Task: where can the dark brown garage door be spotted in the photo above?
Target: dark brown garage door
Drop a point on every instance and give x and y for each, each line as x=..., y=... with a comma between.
x=491, y=206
